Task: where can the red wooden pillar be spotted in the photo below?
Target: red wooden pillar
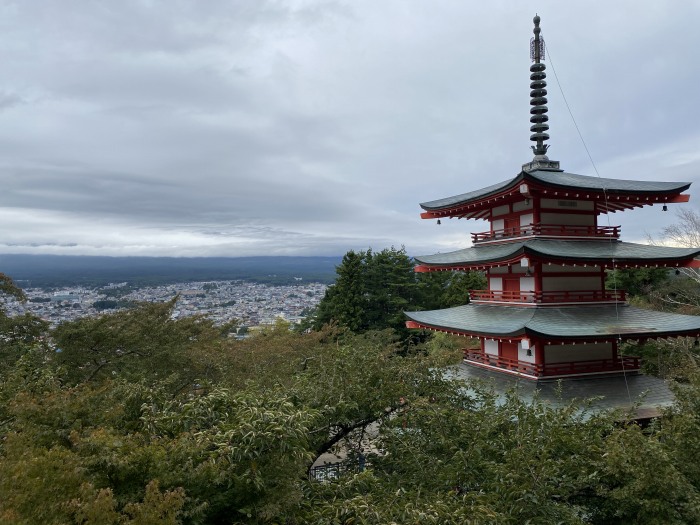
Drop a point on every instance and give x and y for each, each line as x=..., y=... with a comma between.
x=539, y=355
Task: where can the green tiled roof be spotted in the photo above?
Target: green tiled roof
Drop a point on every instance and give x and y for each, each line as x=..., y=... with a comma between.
x=565, y=322
x=646, y=395
x=585, y=182
x=562, y=179
x=552, y=249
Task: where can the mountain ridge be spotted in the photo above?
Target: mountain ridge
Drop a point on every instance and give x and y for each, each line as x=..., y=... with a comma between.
x=95, y=270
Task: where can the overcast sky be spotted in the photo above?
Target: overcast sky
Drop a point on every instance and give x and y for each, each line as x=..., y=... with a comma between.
x=231, y=128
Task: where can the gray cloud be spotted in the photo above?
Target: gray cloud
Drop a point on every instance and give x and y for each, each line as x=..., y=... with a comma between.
x=313, y=127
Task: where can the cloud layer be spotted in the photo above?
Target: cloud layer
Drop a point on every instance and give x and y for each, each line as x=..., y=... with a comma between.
x=313, y=127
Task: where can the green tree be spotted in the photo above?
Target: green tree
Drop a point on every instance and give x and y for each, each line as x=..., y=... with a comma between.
x=636, y=281
x=447, y=289
x=345, y=301
x=141, y=343
x=9, y=288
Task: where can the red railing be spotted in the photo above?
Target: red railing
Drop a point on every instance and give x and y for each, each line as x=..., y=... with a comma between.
x=552, y=230
x=628, y=363
x=569, y=296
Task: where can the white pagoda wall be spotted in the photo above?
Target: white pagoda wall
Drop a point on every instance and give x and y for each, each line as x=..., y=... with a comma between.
x=522, y=353
x=491, y=347
x=563, y=204
x=552, y=268
x=568, y=219
x=579, y=352
x=559, y=284
x=496, y=284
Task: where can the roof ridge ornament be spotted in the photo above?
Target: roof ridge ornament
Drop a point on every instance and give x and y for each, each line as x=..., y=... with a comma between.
x=538, y=103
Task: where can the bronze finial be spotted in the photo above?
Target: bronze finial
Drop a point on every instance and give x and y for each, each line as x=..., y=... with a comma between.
x=538, y=102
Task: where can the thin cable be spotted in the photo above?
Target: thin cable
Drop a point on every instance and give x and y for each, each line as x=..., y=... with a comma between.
x=605, y=197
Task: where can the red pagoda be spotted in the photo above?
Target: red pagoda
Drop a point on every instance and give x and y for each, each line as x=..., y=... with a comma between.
x=547, y=313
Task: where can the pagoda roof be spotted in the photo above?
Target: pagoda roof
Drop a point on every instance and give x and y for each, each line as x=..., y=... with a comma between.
x=583, y=252
x=645, y=396
x=589, y=187
x=558, y=323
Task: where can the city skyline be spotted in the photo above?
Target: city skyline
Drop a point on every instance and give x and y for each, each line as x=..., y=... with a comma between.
x=316, y=127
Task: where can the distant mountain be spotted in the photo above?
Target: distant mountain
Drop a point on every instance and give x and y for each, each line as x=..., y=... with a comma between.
x=64, y=270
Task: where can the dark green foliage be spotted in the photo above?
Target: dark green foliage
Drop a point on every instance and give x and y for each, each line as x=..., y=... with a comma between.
x=104, y=432
x=142, y=342
x=636, y=281
x=447, y=289
x=110, y=304
x=371, y=292
x=374, y=289
x=9, y=288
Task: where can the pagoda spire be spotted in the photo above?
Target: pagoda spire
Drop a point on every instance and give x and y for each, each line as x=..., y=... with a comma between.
x=538, y=103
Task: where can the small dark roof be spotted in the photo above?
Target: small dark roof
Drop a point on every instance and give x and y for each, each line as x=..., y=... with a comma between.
x=646, y=395
x=561, y=179
x=552, y=249
x=560, y=323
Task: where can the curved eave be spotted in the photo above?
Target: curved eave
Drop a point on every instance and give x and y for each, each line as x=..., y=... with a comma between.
x=577, y=323
x=611, y=195
x=604, y=253
x=474, y=320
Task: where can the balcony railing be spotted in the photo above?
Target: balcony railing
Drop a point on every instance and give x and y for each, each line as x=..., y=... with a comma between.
x=570, y=296
x=594, y=366
x=548, y=230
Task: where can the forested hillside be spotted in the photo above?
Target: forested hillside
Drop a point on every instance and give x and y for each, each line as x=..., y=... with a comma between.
x=134, y=417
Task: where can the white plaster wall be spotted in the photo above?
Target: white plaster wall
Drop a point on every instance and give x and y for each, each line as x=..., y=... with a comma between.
x=496, y=283
x=499, y=269
x=498, y=224
x=562, y=269
x=558, y=284
x=556, y=203
x=522, y=205
x=569, y=219
x=491, y=347
x=526, y=218
x=501, y=210
x=578, y=352
x=522, y=353
x=527, y=284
